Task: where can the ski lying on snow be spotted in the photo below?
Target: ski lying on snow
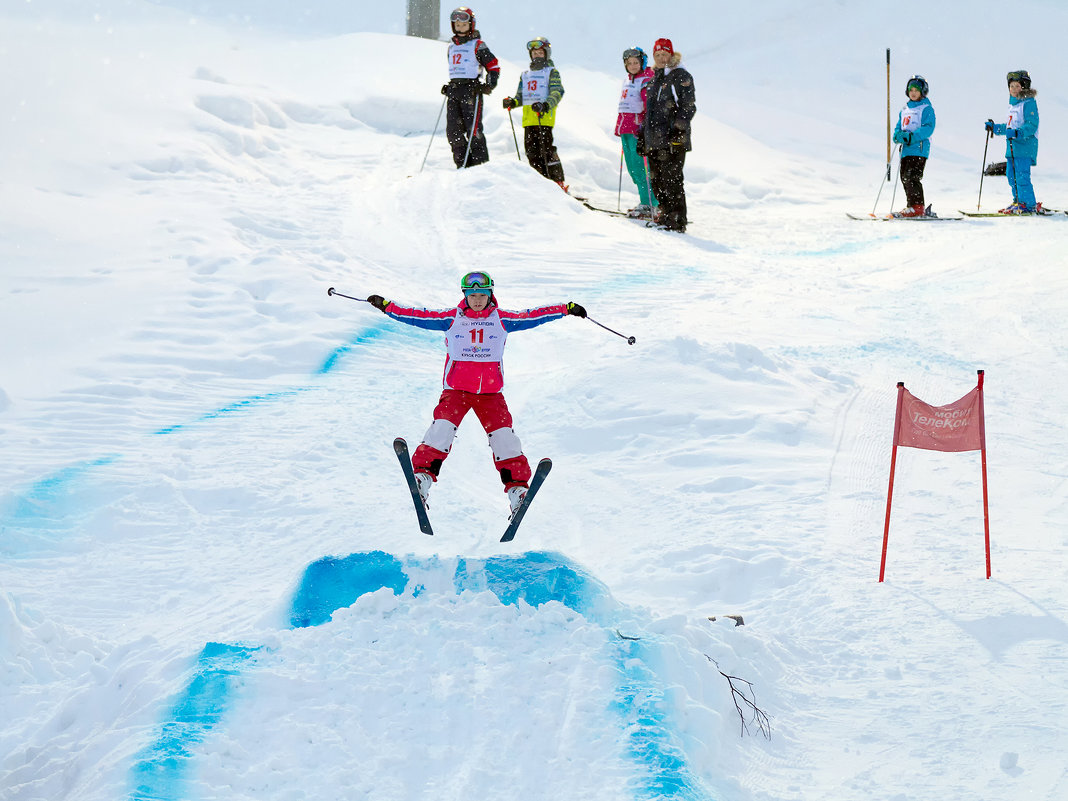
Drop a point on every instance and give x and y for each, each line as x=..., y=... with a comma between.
x=400, y=447
x=992, y=214
x=591, y=207
x=542, y=470
x=885, y=217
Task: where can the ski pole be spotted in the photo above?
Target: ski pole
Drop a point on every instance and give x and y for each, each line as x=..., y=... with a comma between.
x=880, y=193
x=630, y=340
x=648, y=187
x=474, y=124
x=982, y=172
x=514, y=138
x=893, y=194
x=619, y=194
x=331, y=291
x=437, y=122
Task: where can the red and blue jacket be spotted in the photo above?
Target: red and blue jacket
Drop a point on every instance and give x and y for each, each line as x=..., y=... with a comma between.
x=485, y=374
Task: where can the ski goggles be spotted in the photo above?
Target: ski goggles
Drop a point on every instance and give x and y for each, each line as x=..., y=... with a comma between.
x=633, y=52
x=460, y=16
x=1020, y=76
x=477, y=282
x=535, y=44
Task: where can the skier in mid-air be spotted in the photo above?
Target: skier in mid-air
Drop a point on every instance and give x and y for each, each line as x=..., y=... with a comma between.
x=476, y=331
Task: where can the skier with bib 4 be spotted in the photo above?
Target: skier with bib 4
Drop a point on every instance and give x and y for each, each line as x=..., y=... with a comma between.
x=469, y=59
x=915, y=124
x=539, y=93
x=475, y=334
x=1021, y=142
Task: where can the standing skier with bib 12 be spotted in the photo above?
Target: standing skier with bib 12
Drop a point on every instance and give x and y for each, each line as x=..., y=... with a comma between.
x=1021, y=142
x=915, y=124
x=475, y=334
x=469, y=58
x=539, y=93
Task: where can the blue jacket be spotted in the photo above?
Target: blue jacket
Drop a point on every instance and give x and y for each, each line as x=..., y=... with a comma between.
x=1022, y=143
x=921, y=138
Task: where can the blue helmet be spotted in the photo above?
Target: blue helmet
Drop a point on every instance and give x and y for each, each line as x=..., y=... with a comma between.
x=919, y=82
x=635, y=52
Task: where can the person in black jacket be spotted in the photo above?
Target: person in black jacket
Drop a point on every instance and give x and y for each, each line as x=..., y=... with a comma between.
x=670, y=106
x=469, y=59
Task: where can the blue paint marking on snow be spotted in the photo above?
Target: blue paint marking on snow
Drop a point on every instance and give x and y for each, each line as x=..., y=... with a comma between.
x=368, y=335
x=540, y=577
x=653, y=742
x=334, y=583
x=232, y=408
x=536, y=578
x=46, y=505
x=161, y=770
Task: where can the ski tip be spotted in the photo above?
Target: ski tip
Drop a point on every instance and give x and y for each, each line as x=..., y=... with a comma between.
x=399, y=444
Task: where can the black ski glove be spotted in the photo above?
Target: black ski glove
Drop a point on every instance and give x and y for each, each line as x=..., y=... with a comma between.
x=487, y=88
x=378, y=302
x=444, y=88
x=575, y=309
x=906, y=139
x=539, y=108
x=508, y=103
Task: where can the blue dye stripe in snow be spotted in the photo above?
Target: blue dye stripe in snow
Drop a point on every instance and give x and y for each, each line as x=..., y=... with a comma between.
x=41, y=505
x=334, y=583
x=161, y=770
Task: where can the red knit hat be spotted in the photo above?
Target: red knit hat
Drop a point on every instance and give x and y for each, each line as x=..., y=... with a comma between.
x=663, y=44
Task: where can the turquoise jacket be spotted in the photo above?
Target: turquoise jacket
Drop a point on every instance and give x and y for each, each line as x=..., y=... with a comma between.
x=920, y=144
x=1022, y=142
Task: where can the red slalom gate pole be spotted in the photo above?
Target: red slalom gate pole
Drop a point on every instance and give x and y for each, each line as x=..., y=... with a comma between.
x=893, y=467
x=982, y=452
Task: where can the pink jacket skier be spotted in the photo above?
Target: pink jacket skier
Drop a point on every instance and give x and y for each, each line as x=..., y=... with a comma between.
x=475, y=334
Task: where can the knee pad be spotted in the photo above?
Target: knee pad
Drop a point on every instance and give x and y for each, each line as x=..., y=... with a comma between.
x=504, y=444
x=440, y=435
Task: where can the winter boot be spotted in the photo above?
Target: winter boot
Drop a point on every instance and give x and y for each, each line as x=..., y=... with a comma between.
x=515, y=497
x=425, y=481
x=640, y=211
x=1014, y=208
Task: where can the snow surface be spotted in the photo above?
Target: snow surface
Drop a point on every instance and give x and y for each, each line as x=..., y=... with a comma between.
x=211, y=581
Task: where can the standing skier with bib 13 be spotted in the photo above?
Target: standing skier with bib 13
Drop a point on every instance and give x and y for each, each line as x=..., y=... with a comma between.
x=629, y=124
x=476, y=331
x=1021, y=142
x=670, y=106
x=539, y=93
x=915, y=124
x=469, y=58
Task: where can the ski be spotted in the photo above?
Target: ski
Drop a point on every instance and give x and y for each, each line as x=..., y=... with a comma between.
x=1043, y=213
x=400, y=447
x=887, y=217
x=544, y=466
x=591, y=207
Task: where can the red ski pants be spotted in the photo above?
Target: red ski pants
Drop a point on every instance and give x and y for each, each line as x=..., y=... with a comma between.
x=492, y=412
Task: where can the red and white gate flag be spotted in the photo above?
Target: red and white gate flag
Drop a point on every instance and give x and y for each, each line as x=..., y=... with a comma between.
x=958, y=426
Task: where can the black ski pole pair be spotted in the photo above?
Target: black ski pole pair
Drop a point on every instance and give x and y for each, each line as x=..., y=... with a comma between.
x=630, y=340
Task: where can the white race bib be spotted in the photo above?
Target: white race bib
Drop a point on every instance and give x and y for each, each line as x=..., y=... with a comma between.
x=911, y=116
x=477, y=339
x=536, y=86
x=630, y=102
x=1016, y=116
x=462, y=61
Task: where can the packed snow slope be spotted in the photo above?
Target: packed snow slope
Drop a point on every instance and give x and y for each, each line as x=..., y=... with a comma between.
x=211, y=581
